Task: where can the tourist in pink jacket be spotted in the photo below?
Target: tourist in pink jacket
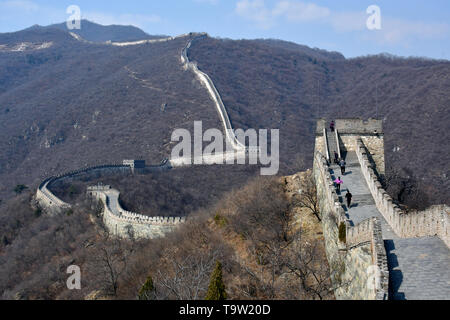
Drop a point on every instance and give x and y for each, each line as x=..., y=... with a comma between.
x=338, y=183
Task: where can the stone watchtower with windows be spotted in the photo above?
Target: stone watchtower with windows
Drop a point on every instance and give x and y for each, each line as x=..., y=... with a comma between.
x=348, y=131
x=135, y=164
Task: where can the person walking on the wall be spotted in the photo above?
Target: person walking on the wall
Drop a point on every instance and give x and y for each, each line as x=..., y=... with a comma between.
x=336, y=158
x=332, y=125
x=338, y=182
x=349, y=197
x=342, y=165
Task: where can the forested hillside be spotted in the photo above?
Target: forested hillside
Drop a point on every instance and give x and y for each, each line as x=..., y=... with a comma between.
x=76, y=104
x=67, y=103
x=273, y=84
x=97, y=33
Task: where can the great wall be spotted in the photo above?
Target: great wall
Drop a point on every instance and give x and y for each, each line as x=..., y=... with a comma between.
x=385, y=253
x=122, y=222
x=374, y=249
x=118, y=221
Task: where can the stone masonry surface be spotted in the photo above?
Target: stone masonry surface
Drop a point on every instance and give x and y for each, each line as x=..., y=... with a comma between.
x=412, y=250
x=139, y=223
x=416, y=243
x=124, y=224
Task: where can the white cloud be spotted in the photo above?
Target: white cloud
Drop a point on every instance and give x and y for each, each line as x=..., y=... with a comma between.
x=300, y=11
x=138, y=20
x=20, y=14
x=403, y=31
x=348, y=21
x=393, y=30
x=21, y=5
x=291, y=11
x=24, y=13
x=256, y=11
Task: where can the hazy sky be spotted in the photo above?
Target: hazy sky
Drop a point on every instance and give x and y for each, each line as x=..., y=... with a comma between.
x=408, y=28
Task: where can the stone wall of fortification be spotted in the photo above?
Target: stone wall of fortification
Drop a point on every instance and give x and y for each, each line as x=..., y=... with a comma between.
x=370, y=131
x=52, y=204
x=353, y=126
x=352, y=262
x=48, y=200
x=434, y=221
x=349, y=131
x=321, y=145
x=214, y=94
x=124, y=220
x=92, y=173
x=125, y=224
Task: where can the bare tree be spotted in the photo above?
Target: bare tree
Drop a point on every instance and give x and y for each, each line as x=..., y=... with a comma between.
x=406, y=189
x=185, y=278
x=308, y=197
x=109, y=264
x=307, y=262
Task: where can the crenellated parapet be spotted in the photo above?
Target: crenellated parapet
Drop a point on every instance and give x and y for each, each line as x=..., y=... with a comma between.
x=434, y=221
x=116, y=217
x=214, y=94
x=348, y=132
x=368, y=233
x=323, y=177
x=51, y=202
x=123, y=223
x=358, y=262
x=48, y=200
x=151, y=41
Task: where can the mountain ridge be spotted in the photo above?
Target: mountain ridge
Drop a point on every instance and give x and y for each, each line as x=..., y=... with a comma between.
x=95, y=32
x=74, y=95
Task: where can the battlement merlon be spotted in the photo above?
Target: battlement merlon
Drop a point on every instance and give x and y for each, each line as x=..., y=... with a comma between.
x=353, y=126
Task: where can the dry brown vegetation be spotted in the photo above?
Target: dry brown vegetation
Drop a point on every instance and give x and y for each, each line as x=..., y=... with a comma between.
x=175, y=192
x=269, y=249
x=274, y=84
x=78, y=104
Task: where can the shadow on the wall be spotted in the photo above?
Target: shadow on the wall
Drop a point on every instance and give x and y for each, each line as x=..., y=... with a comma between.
x=395, y=276
x=343, y=148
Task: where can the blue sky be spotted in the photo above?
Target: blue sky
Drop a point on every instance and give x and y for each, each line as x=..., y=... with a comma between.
x=408, y=28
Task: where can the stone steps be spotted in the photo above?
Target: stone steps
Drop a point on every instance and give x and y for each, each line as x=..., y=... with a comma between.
x=332, y=144
x=418, y=267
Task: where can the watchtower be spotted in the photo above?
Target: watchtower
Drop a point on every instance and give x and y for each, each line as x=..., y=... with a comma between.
x=135, y=164
x=346, y=133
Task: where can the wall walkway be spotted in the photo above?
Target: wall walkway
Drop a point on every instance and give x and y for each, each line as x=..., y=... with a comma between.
x=418, y=257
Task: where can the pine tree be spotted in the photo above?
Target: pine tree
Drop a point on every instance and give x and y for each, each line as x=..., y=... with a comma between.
x=216, y=289
x=147, y=290
x=342, y=232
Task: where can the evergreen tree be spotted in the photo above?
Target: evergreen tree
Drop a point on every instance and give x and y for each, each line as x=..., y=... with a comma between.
x=147, y=290
x=216, y=289
x=342, y=232
x=20, y=188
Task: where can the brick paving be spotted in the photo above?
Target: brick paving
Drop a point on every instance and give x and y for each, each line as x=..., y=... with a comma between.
x=419, y=268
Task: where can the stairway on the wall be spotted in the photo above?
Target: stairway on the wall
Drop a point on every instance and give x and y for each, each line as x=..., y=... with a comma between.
x=418, y=267
x=332, y=144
